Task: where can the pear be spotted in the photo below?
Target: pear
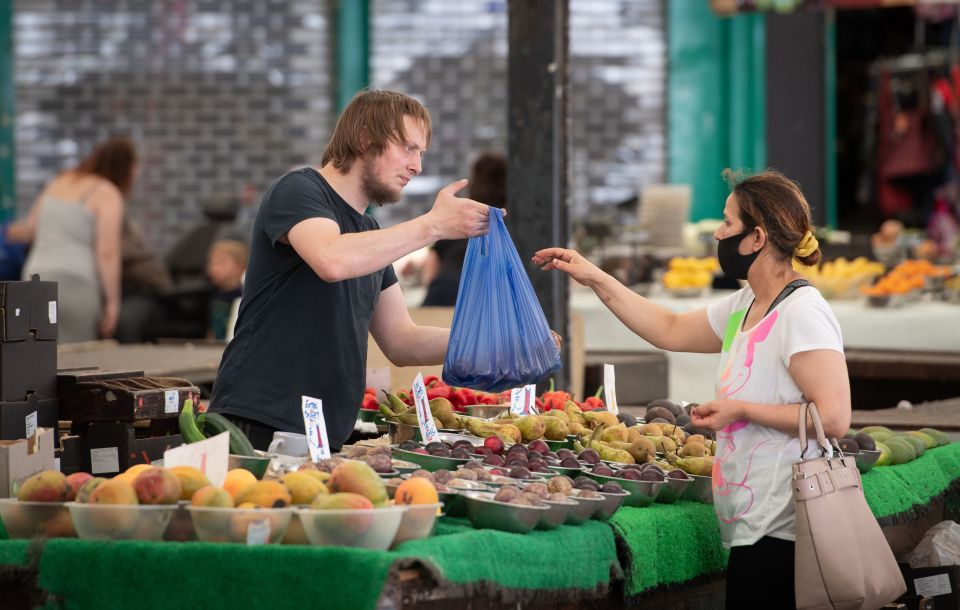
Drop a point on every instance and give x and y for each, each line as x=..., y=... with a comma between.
x=651, y=429
x=556, y=428
x=442, y=411
x=693, y=449
x=615, y=433
x=639, y=454
x=698, y=438
x=557, y=413
x=612, y=454
x=574, y=412
x=601, y=418
x=531, y=427
x=634, y=434
x=701, y=466
x=578, y=428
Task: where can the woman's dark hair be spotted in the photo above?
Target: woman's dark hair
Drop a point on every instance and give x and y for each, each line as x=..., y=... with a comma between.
x=113, y=160
x=488, y=179
x=771, y=200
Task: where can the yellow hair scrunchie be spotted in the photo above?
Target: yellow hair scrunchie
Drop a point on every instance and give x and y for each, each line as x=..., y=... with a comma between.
x=807, y=246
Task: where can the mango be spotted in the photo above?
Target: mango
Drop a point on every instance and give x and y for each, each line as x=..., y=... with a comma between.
x=119, y=522
x=191, y=480
x=83, y=494
x=212, y=497
x=940, y=437
x=46, y=486
x=270, y=494
x=303, y=487
x=918, y=445
x=240, y=523
x=901, y=451
x=357, y=477
x=416, y=490
x=928, y=441
x=114, y=491
x=885, y=455
x=157, y=486
x=74, y=482
x=342, y=528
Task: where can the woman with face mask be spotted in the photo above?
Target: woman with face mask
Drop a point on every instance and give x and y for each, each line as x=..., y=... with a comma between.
x=780, y=346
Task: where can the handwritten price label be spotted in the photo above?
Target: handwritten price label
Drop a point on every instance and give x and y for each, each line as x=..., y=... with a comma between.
x=428, y=428
x=316, y=428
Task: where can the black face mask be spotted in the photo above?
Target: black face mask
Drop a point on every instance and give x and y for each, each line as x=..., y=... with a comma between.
x=733, y=263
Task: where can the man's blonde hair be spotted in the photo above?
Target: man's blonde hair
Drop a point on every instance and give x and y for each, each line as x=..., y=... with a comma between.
x=370, y=121
x=237, y=250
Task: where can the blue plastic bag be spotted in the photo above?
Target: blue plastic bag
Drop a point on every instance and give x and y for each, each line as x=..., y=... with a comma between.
x=499, y=338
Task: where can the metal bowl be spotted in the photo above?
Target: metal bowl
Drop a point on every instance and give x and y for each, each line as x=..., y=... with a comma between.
x=556, y=516
x=486, y=513
x=429, y=462
x=584, y=509
x=611, y=504
x=554, y=445
x=701, y=490
x=486, y=411
x=404, y=467
x=498, y=481
x=570, y=472
x=866, y=459
x=257, y=464
x=642, y=493
x=367, y=415
x=673, y=490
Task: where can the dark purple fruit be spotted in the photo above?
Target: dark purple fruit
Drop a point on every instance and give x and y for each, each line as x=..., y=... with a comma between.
x=651, y=474
x=589, y=456
x=463, y=443
x=519, y=472
x=482, y=451
x=633, y=466
x=538, y=466
x=513, y=461
x=676, y=473
x=582, y=479
x=431, y=447
x=611, y=488
x=564, y=452
x=460, y=453
x=409, y=445
x=441, y=452
x=848, y=445
x=570, y=462
x=539, y=446
x=588, y=484
x=473, y=465
x=631, y=474
x=603, y=470
x=554, y=456
x=517, y=448
x=534, y=455
x=493, y=460
x=865, y=441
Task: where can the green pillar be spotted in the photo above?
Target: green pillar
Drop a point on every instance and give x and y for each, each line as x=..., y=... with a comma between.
x=352, y=49
x=8, y=194
x=716, y=100
x=830, y=114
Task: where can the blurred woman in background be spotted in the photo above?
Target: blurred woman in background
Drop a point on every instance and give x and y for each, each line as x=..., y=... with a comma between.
x=75, y=227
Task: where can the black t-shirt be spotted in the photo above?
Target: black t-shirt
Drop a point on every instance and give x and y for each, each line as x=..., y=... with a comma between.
x=297, y=334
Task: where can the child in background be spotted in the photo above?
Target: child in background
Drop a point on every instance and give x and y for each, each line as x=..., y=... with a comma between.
x=226, y=264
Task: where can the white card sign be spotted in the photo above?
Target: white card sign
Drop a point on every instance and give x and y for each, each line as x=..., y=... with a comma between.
x=104, y=460
x=523, y=400
x=208, y=456
x=428, y=428
x=315, y=427
x=610, y=388
x=171, y=401
x=258, y=532
x=31, y=424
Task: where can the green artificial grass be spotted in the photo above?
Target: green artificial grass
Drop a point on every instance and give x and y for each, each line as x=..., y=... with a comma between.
x=901, y=493
x=668, y=543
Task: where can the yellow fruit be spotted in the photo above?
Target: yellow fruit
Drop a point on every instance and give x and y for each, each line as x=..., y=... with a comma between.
x=237, y=480
x=266, y=494
x=191, y=480
x=303, y=488
x=416, y=490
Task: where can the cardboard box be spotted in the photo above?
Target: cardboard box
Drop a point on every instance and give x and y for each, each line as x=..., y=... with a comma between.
x=28, y=366
x=68, y=454
x=13, y=416
x=29, y=309
x=126, y=399
x=931, y=587
x=21, y=459
x=109, y=448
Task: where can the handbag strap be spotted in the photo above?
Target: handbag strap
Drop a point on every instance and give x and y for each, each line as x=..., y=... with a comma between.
x=817, y=426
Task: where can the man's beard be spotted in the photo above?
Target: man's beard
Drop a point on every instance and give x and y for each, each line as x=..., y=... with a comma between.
x=374, y=190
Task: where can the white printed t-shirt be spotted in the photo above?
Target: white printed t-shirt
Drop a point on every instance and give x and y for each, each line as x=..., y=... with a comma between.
x=752, y=467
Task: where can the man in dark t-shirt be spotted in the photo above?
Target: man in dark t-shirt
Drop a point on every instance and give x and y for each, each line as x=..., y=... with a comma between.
x=320, y=275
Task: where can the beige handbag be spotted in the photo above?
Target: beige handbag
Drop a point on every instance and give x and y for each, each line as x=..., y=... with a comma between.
x=843, y=561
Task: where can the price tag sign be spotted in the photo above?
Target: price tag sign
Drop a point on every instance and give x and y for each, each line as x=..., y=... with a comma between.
x=171, y=401
x=316, y=428
x=523, y=400
x=258, y=532
x=208, y=456
x=104, y=460
x=610, y=388
x=31, y=424
x=428, y=428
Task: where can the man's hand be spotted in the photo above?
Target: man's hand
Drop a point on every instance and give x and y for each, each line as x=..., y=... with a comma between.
x=556, y=338
x=455, y=217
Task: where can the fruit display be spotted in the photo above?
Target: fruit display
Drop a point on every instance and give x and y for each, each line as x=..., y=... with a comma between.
x=841, y=278
x=688, y=275
x=910, y=275
x=894, y=447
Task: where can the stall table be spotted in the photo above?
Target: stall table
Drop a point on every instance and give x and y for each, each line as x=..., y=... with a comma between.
x=642, y=556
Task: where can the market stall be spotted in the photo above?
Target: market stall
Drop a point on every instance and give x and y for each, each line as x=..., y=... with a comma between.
x=652, y=549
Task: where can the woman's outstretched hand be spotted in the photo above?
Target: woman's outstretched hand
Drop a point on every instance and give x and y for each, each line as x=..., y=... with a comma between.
x=570, y=262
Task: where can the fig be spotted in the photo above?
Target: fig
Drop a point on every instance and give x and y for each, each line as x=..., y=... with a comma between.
x=539, y=446
x=611, y=488
x=570, y=462
x=519, y=472
x=506, y=493
x=631, y=474
x=590, y=456
x=603, y=470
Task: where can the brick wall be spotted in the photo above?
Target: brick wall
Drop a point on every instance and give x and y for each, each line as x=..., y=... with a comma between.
x=221, y=93
x=216, y=94
x=453, y=57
